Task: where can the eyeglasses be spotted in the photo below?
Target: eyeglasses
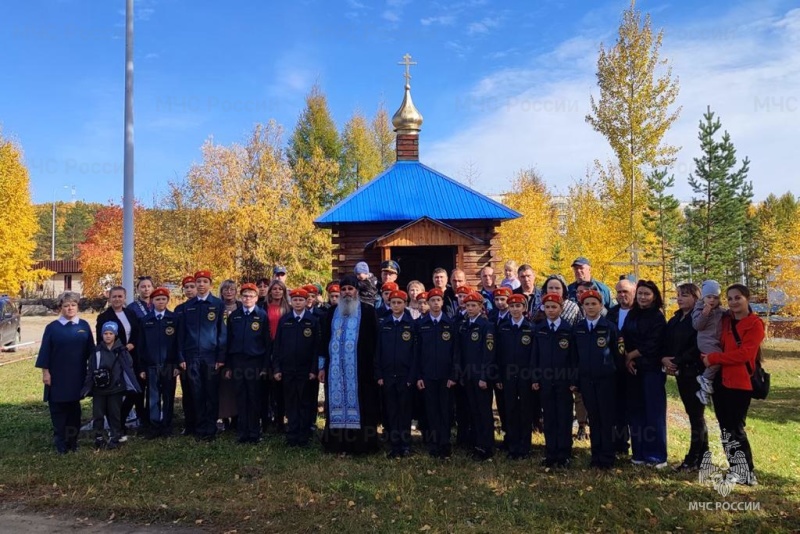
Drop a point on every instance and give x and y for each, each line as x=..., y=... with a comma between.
x=143, y=278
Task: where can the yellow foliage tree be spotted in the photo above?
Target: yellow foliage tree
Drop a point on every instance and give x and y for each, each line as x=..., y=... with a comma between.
x=531, y=238
x=17, y=220
x=786, y=275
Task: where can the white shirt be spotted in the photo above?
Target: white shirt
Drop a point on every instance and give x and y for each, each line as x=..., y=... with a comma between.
x=299, y=317
x=248, y=311
x=126, y=325
x=557, y=322
x=519, y=323
x=621, y=319
x=63, y=320
x=591, y=324
x=438, y=318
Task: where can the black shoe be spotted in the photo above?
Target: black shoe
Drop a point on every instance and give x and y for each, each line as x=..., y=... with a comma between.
x=480, y=455
x=113, y=444
x=99, y=443
x=582, y=435
x=563, y=463
x=546, y=462
x=687, y=467
x=187, y=432
x=394, y=454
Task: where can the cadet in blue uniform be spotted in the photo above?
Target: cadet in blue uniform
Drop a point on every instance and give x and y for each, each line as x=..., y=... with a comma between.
x=202, y=340
x=158, y=362
x=394, y=371
x=189, y=287
x=66, y=346
x=554, y=371
x=475, y=356
x=514, y=354
x=595, y=347
x=500, y=310
x=384, y=309
x=295, y=358
x=437, y=371
x=248, y=353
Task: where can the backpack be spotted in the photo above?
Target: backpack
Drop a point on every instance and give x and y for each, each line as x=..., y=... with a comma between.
x=759, y=378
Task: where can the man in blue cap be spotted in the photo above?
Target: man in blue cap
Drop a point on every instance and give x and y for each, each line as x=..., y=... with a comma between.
x=583, y=273
x=279, y=273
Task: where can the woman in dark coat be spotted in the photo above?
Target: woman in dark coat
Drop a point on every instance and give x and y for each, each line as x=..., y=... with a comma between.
x=682, y=360
x=643, y=335
x=66, y=346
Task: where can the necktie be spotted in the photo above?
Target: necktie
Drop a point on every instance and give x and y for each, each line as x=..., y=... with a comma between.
x=159, y=316
x=552, y=327
x=591, y=326
x=246, y=313
x=435, y=322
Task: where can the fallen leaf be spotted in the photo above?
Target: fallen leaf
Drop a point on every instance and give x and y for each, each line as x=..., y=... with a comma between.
x=424, y=528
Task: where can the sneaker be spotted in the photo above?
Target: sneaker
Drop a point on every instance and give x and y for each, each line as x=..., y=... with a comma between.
x=749, y=481
x=638, y=462
x=658, y=465
x=686, y=467
x=702, y=396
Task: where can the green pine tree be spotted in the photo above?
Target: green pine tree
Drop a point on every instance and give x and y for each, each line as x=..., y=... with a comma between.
x=717, y=220
x=662, y=218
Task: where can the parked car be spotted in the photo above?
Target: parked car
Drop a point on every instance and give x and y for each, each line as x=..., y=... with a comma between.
x=10, y=332
x=761, y=308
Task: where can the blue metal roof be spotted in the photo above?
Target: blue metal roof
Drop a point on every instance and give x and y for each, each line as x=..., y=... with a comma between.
x=409, y=190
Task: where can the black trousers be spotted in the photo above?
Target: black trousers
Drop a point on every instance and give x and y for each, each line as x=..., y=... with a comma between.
x=599, y=397
x=731, y=407
x=187, y=403
x=695, y=410
x=536, y=409
x=66, y=419
x=465, y=434
x=500, y=402
x=438, y=400
x=298, y=409
x=481, y=418
x=516, y=395
x=246, y=381
x=137, y=400
x=622, y=434
x=110, y=407
x=311, y=401
x=398, y=402
x=204, y=382
x=557, y=412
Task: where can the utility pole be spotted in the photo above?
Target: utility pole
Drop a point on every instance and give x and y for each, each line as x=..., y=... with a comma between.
x=128, y=197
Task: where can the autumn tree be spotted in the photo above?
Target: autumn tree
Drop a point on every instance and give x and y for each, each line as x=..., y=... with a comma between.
x=531, y=238
x=718, y=215
x=633, y=112
x=101, y=252
x=662, y=218
x=785, y=279
x=73, y=219
x=773, y=220
x=383, y=136
x=361, y=158
x=17, y=220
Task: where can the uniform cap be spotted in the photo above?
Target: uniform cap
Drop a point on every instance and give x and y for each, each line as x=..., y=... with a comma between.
x=463, y=290
x=251, y=286
x=474, y=297
x=591, y=293
x=391, y=266
x=398, y=294
x=422, y=296
x=552, y=297
x=435, y=292
x=502, y=292
x=187, y=280
x=203, y=274
x=159, y=292
x=517, y=299
x=389, y=286
x=299, y=292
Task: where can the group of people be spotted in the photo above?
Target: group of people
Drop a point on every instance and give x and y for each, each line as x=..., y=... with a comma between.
x=542, y=356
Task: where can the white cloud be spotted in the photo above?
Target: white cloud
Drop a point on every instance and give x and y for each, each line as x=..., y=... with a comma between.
x=533, y=114
x=442, y=20
x=483, y=26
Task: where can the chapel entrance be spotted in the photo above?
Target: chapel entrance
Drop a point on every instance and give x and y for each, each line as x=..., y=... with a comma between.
x=418, y=263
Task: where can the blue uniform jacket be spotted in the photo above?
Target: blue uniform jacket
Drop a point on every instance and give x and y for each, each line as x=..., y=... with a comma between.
x=201, y=331
x=395, y=348
x=596, y=352
x=552, y=354
x=248, y=337
x=158, y=341
x=65, y=351
x=436, y=349
x=475, y=348
x=514, y=350
x=298, y=344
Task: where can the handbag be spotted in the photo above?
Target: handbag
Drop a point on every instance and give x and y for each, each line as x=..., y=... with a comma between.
x=759, y=378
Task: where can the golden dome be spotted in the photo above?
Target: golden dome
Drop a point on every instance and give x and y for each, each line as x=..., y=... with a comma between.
x=407, y=119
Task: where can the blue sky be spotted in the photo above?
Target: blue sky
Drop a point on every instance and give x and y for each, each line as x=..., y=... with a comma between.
x=502, y=85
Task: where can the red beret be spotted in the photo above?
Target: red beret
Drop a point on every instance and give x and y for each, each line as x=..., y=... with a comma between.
x=399, y=294
x=517, y=299
x=203, y=274
x=299, y=292
x=463, y=290
x=552, y=297
x=502, y=292
x=187, y=280
x=591, y=293
x=422, y=296
x=435, y=292
x=250, y=286
x=160, y=292
x=310, y=288
x=389, y=286
x=474, y=297
x=334, y=288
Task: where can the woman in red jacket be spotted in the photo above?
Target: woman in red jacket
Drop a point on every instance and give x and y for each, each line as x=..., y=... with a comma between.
x=742, y=333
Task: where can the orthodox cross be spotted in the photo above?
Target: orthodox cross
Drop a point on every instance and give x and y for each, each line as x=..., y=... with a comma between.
x=407, y=62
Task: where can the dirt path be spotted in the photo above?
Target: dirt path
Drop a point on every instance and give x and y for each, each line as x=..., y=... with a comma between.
x=18, y=519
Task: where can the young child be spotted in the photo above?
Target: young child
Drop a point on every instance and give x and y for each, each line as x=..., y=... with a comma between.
x=707, y=320
x=158, y=361
x=510, y=270
x=500, y=310
x=294, y=364
x=422, y=304
x=110, y=375
x=553, y=370
x=594, y=353
x=394, y=371
x=367, y=284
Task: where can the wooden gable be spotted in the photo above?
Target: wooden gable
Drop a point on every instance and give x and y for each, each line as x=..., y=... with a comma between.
x=426, y=232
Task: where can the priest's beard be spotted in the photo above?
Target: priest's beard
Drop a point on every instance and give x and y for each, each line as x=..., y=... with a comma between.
x=349, y=305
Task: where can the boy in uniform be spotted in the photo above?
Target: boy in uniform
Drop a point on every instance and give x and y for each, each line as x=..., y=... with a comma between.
x=248, y=351
x=385, y=308
x=295, y=363
x=500, y=310
x=595, y=343
x=189, y=287
x=202, y=341
x=158, y=359
x=437, y=371
x=514, y=350
x=475, y=355
x=553, y=370
x=394, y=371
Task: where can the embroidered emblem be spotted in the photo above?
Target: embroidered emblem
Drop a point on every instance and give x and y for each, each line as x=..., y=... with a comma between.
x=212, y=316
x=563, y=343
x=255, y=326
x=475, y=336
x=601, y=342
x=526, y=340
x=307, y=332
x=406, y=336
x=169, y=330
x=446, y=336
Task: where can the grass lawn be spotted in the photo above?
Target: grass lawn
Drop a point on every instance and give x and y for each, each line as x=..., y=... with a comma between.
x=270, y=488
